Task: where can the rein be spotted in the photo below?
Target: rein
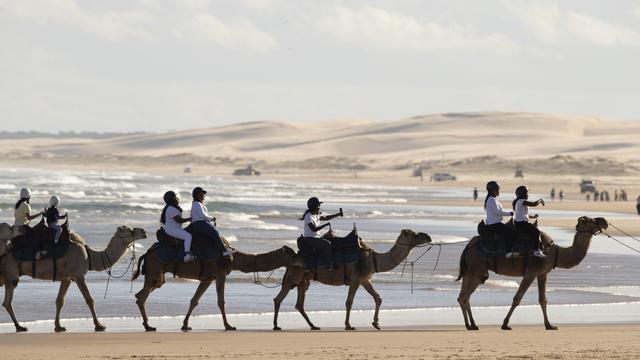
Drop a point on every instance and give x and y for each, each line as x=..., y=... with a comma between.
x=130, y=265
x=412, y=263
x=257, y=281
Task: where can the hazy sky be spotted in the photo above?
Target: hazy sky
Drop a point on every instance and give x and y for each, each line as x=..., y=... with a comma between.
x=158, y=65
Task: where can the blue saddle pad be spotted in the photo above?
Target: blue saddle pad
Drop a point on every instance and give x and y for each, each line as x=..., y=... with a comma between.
x=26, y=253
x=169, y=254
x=342, y=257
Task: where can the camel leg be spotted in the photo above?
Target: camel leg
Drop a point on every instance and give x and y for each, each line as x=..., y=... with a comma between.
x=291, y=279
x=64, y=286
x=202, y=287
x=84, y=289
x=9, y=286
x=524, y=286
x=302, y=290
x=141, y=299
x=542, y=299
x=220, y=280
x=376, y=297
x=469, y=285
x=352, y=294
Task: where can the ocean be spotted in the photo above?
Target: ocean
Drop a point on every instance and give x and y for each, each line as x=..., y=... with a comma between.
x=261, y=215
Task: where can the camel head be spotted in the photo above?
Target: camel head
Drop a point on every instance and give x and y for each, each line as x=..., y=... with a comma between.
x=411, y=238
x=6, y=232
x=129, y=235
x=593, y=226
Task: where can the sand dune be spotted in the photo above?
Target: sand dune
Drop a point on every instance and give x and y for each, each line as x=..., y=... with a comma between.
x=453, y=135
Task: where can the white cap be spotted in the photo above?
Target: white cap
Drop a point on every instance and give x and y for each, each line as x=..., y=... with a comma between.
x=25, y=193
x=54, y=201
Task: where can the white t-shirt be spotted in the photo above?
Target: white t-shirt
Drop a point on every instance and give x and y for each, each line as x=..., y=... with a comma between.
x=522, y=211
x=21, y=214
x=199, y=212
x=494, y=211
x=170, y=224
x=309, y=218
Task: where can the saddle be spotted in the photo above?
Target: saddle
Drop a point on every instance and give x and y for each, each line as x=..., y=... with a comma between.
x=171, y=249
x=344, y=250
x=494, y=245
x=38, y=238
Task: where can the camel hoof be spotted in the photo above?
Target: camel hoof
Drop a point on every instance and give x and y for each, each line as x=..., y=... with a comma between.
x=185, y=328
x=349, y=328
x=315, y=328
x=505, y=327
x=60, y=329
x=100, y=328
x=376, y=325
x=230, y=328
x=277, y=328
x=21, y=328
x=551, y=327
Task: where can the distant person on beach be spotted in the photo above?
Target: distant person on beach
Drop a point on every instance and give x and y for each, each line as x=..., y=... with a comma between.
x=311, y=228
x=596, y=194
x=615, y=195
x=553, y=193
x=475, y=193
x=521, y=208
x=638, y=205
x=623, y=195
x=561, y=195
x=495, y=214
x=588, y=196
x=606, y=196
x=172, y=220
x=202, y=223
x=22, y=214
x=601, y=195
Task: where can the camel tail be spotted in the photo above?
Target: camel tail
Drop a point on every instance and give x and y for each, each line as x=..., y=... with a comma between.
x=463, y=263
x=137, y=272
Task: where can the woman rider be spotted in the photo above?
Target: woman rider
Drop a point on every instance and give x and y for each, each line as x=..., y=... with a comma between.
x=201, y=221
x=495, y=213
x=311, y=230
x=172, y=221
x=22, y=213
x=521, y=207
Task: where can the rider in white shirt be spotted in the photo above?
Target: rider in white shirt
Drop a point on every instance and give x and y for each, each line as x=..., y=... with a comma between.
x=495, y=214
x=521, y=207
x=172, y=221
x=202, y=223
x=311, y=228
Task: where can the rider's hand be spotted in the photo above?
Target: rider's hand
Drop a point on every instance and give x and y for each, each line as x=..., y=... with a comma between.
x=341, y=213
x=535, y=216
x=511, y=213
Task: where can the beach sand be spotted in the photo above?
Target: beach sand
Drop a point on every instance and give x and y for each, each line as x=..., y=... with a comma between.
x=524, y=342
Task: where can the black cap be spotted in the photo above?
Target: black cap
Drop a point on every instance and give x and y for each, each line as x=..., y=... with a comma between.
x=198, y=190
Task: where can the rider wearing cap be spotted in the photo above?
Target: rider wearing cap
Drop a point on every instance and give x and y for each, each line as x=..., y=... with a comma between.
x=52, y=214
x=172, y=221
x=22, y=213
x=201, y=222
x=311, y=230
x=495, y=213
x=521, y=207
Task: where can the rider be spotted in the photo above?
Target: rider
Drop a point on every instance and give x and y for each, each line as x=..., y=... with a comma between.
x=22, y=213
x=53, y=216
x=494, y=216
x=172, y=221
x=201, y=222
x=521, y=208
x=311, y=231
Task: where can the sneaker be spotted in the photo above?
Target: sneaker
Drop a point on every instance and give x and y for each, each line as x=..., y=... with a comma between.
x=511, y=254
x=40, y=254
x=538, y=253
x=227, y=253
x=189, y=257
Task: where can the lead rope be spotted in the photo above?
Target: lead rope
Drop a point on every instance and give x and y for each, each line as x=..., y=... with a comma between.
x=624, y=233
x=257, y=281
x=412, y=263
x=131, y=266
x=621, y=243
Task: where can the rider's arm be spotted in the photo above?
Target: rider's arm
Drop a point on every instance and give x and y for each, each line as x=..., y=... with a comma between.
x=533, y=204
x=329, y=217
x=180, y=220
x=31, y=217
x=492, y=206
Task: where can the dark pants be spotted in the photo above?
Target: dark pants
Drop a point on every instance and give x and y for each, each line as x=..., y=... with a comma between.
x=638, y=208
x=322, y=245
x=525, y=227
x=507, y=233
x=206, y=229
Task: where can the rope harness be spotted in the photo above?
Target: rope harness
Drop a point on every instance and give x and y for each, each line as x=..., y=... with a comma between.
x=130, y=265
x=412, y=263
x=620, y=242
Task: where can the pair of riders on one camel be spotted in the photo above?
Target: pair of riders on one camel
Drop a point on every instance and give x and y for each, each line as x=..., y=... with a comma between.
x=23, y=216
x=202, y=224
x=521, y=217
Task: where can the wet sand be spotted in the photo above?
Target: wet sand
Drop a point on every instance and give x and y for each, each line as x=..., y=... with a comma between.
x=524, y=342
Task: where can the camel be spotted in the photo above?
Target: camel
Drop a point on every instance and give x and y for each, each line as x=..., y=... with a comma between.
x=474, y=269
x=72, y=266
x=206, y=272
x=357, y=274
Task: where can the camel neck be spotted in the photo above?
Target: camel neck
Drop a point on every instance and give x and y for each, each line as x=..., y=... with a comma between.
x=392, y=258
x=574, y=254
